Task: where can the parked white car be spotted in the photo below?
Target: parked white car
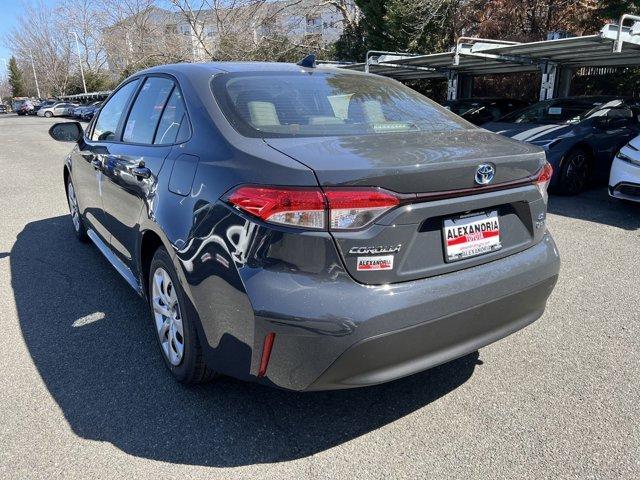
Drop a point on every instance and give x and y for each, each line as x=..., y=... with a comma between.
x=624, y=179
x=56, y=110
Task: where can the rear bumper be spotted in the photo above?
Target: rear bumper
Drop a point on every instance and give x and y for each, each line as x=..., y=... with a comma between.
x=400, y=353
x=348, y=335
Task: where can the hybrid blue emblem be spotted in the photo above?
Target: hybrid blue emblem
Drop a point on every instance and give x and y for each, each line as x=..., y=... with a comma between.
x=485, y=174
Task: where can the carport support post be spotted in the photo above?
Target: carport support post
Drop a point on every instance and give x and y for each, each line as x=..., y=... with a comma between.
x=564, y=82
x=465, y=86
x=548, y=80
x=452, y=85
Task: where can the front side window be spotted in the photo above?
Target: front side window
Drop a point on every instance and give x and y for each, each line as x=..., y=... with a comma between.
x=291, y=104
x=111, y=112
x=146, y=110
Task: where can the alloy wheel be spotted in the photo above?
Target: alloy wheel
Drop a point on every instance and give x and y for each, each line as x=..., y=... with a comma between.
x=577, y=173
x=167, y=315
x=73, y=206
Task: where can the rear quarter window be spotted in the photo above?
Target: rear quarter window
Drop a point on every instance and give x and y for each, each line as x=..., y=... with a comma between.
x=174, y=126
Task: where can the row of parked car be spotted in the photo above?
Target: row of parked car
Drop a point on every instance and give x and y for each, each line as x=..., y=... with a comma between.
x=56, y=108
x=581, y=135
x=588, y=140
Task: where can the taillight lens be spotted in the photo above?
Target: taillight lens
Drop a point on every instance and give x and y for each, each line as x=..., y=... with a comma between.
x=336, y=208
x=353, y=209
x=544, y=178
x=296, y=207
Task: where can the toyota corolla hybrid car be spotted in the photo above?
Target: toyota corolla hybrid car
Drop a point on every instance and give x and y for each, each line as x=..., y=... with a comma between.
x=580, y=135
x=624, y=179
x=309, y=228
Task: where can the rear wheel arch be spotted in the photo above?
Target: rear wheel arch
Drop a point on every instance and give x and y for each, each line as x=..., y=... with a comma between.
x=150, y=241
x=66, y=175
x=588, y=149
x=580, y=146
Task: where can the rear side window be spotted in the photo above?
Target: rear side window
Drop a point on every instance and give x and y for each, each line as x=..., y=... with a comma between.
x=111, y=112
x=174, y=125
x=146, y=111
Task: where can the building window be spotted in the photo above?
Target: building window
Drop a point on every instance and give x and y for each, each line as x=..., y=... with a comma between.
x=314, y=25
x=209, y=31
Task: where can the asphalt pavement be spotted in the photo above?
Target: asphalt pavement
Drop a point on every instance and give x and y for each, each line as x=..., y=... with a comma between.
x=84, y=394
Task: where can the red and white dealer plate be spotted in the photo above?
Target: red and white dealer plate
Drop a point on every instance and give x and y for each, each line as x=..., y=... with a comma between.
x=369, y=264
x=471, y=236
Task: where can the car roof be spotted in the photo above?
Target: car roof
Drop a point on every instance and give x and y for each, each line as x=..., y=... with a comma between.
x=234, y=67
x=226, y=67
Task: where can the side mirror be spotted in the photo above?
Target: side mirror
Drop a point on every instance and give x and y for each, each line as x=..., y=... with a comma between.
x=66, y=132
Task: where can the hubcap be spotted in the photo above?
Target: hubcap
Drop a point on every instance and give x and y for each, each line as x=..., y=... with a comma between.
x=73, y=207
x=166, y=312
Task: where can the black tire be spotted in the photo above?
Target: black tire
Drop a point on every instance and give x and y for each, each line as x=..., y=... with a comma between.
x=48, y=114
x=575, y=173
x=77, y=223
x=192, y=368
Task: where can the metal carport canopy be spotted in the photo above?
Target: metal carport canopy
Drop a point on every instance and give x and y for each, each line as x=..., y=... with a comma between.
x=473, y=56
x=87, y=96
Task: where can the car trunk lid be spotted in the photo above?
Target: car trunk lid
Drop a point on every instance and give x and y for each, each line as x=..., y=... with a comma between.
x=435, y=177
x=412, y=162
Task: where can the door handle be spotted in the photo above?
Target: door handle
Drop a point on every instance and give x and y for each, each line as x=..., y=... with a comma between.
x=141, y=172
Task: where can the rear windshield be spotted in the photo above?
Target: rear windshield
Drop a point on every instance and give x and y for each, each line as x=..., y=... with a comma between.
x=303, y=104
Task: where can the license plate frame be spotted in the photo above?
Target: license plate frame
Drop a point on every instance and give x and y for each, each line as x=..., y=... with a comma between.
x=471, y=235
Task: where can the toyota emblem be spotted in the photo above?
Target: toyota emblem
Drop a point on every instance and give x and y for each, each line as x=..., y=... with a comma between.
x=485, y=174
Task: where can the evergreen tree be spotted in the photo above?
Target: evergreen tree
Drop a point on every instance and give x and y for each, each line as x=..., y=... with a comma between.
x=374, y=24
x=351, y=45
x=613, y=9
x=18, y=87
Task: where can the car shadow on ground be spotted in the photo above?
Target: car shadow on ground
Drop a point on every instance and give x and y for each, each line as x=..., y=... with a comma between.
x=595, y=205
x=91, y=340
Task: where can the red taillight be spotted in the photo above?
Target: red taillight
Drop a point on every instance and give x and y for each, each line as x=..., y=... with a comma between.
x=345, y=208
x=351, y=209
x=544, y=177
x=297, y=207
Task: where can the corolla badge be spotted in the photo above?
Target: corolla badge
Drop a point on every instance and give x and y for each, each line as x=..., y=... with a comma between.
x=375, y=250
x=485, y=173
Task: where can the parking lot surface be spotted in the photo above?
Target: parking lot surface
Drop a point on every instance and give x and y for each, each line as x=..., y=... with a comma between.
x=84, y=393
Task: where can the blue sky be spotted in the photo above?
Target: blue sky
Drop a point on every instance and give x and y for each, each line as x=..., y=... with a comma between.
x=10, y=11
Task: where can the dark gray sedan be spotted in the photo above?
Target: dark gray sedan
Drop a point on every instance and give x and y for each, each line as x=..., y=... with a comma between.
x=309, y=228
